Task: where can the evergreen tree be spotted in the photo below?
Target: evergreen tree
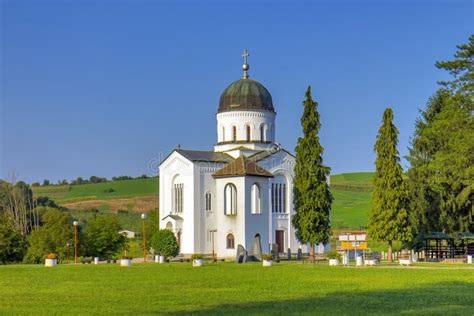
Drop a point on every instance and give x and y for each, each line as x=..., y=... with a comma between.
x=389, y=218
x=461, y=68
x=442, y=152
x=312, y=197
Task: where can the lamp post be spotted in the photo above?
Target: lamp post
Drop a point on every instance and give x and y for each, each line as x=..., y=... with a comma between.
x=68, y=244
x=212, y=236
x=144, y=237
x=75, y=224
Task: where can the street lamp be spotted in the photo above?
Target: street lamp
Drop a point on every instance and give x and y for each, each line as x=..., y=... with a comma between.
x=75, y=223
x=68, y=244
x=144, y=237
x=212, y=236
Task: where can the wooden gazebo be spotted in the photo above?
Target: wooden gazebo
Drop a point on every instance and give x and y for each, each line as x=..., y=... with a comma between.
x=466, y=244
x=439, y=245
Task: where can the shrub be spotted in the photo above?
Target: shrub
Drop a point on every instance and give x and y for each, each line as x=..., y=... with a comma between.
x=109, y=190
x=102, y=238
x=164, y=242
x=196, y=256
x=333, y=255
x=51, y=255
x=267, y=257
x=12, y=243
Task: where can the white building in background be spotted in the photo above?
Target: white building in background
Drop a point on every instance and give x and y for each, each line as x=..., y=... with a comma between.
x=244, y=187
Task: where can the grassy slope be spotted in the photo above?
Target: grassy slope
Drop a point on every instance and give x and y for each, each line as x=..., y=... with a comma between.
x=227, y=288
x=122, y=189
x=352, y=199
x=351, y=196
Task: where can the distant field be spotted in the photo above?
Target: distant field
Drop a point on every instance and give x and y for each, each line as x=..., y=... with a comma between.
x=360, y=181
x=351, y=192
x=352, y=199
x=232, y=289
x=121, y=189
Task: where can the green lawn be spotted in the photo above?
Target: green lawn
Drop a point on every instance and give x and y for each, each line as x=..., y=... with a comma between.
x=124, y=188
x=227, y=288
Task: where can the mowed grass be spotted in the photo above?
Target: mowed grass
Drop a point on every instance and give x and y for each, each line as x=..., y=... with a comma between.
x=228, y=288
x=121, y=189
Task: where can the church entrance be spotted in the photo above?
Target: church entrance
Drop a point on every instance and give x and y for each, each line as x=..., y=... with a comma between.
x=280, y=240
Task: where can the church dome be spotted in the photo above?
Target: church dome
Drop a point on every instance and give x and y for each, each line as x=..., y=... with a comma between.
x=246, y=95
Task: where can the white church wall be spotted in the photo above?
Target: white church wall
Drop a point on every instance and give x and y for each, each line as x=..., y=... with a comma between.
x=256, y=223
x=230, y=224
x=207, y=218
x=176, y=166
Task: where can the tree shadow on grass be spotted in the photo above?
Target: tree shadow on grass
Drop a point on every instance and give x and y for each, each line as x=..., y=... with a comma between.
x=451, y=298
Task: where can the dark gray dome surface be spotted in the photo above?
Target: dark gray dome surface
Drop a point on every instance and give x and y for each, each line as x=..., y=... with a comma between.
x=246, y=94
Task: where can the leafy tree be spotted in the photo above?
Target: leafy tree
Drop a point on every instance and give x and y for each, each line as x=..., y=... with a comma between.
x=46, y=182
x=442, y=152
x=51, y=237
x=442, y=165
x=46, y=201
x=389, y=217
x=164, y=242
x=94, y=179
x=461, y=68
x=18, y=205
x=102, y=237
x=12, y=243
x=312, y=197
x=152, y=223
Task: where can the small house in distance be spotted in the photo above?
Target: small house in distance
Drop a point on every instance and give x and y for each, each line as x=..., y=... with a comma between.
x=127, y=233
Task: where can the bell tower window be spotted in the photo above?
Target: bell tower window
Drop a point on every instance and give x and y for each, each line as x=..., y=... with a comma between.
x=234, y=133
x=247, y=129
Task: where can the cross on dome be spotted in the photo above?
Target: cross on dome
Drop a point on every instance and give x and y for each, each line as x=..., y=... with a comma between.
x=245, y=66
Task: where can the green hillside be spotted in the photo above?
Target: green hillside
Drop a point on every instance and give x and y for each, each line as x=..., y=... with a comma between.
x=352, y=199
x=351, y=192
x=105, y=190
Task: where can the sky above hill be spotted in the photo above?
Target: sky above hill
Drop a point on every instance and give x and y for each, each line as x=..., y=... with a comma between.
x=111, y=87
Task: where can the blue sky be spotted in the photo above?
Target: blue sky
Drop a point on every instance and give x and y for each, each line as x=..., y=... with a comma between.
x=108, y=87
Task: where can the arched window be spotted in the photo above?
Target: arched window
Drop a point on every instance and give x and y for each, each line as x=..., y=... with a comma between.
x=230, y=241
x=255, y=199
x=247, y=130
x=178, y=194
x=262, y=133
x=223, y=133
x=230, y=199
x=208, y=199
x=234, y=133
x=278, y=195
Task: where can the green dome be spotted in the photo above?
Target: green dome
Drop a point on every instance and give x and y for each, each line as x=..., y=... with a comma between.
x=246, y=95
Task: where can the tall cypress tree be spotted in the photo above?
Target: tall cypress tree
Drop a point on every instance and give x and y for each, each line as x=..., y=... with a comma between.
x=389, y=218
x=312, y=197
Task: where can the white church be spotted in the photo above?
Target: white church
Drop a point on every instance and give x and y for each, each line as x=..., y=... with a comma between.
x=215, y=200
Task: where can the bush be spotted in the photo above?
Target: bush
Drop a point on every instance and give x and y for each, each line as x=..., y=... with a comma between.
x=164, y=242
x=196, y=256
x=267, y=257
x=12, y=243
x=109, y=190
x=52, y=255
x=102, y=237
x=334, y=255
x=51, y=237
